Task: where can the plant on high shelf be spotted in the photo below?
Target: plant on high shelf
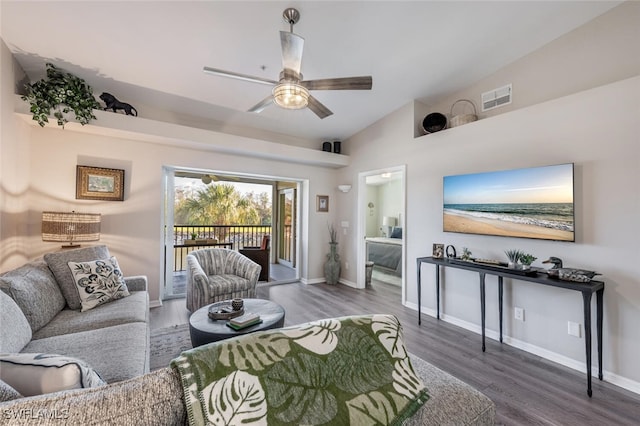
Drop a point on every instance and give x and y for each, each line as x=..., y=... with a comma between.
x=63, y=92
x=332, y=265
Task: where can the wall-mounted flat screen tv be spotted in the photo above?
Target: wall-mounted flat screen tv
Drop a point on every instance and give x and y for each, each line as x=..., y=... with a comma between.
x=535, y=202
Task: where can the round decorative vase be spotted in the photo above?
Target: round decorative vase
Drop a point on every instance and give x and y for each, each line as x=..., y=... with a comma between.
x=332, y=265
x=237, y=304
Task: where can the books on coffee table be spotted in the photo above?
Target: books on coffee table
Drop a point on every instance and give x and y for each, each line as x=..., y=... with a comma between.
x=244, y=321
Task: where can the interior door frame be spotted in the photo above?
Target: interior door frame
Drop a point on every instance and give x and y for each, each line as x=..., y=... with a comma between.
x=278, y=229
x=361, y=223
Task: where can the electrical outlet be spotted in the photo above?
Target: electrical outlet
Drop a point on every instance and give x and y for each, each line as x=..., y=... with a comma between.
x=574, y=329
x=518, y=313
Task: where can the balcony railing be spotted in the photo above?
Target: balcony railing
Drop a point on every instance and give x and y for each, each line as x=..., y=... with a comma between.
x=234, y=237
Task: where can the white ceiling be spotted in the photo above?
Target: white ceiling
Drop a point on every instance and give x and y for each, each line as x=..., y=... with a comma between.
x=152, y=52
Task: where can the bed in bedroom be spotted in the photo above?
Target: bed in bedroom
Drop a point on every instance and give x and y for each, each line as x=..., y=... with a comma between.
x=385, y=253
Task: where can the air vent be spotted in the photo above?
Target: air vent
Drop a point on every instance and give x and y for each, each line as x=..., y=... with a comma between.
x=496, y=98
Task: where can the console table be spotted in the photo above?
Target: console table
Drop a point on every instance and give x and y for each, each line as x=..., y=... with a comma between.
x=587, y=290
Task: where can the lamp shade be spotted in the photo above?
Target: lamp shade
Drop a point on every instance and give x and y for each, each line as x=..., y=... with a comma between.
x=389, y=221
x=70, y=227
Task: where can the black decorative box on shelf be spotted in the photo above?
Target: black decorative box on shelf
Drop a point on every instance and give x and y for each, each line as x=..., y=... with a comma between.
x=502, y=267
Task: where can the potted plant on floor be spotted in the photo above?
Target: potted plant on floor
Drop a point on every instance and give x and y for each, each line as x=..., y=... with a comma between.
x=332, y=265
x=63, y=92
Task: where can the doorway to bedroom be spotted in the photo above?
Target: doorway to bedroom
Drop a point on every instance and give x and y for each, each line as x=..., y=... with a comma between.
x=381, y=207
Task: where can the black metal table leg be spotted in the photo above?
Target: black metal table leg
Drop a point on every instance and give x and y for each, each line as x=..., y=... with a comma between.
x=586, y=297
x=482, y=307
x=419, y=292
x=500, y=292
x=437, y=292
x=599, y=312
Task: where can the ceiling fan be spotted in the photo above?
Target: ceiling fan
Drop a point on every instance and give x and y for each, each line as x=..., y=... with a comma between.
x=291, y=91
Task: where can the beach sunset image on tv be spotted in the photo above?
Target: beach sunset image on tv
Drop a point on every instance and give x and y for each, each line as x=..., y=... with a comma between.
x=535, y=202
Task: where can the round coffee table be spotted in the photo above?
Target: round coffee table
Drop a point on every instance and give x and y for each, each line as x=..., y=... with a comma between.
x=204, y=330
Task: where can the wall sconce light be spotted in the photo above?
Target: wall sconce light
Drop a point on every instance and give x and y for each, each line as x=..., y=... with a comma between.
x=70, y=227
x=344, y=188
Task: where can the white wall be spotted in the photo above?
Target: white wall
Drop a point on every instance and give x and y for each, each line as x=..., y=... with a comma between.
x=132, y=228
x=598, y=130
x=14, y=167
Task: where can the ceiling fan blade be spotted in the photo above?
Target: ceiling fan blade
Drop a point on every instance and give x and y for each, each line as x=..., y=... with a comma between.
x=238, y=76
x=318, y=108
x=346, y=83
x=260, y=106
x=292, y=45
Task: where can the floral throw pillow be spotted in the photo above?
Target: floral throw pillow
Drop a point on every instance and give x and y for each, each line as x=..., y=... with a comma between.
x=98, y=282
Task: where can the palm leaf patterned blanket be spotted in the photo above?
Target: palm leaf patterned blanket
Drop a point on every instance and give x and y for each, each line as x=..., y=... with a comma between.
x=352, y=370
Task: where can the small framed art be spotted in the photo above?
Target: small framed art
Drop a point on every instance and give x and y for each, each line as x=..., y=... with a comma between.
x=96, y=183
x=438, y=251
x=322, y=203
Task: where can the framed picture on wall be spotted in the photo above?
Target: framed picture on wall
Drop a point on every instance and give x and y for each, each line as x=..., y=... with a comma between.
x=322, y=203
x=96, y=183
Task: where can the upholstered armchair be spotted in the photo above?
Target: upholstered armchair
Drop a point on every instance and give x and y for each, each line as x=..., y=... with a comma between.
x=218, y=274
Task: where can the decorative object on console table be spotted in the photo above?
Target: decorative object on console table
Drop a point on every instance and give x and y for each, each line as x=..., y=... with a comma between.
x=513, y=255
x=97, y=183
x=337, y=147
x=526, y=260
x=326, y=146
x=451, y=252
x=332, y=265
x=322, y=203
x=438, y=250
x=569, y=274
x=70, y=227
x=466, y=254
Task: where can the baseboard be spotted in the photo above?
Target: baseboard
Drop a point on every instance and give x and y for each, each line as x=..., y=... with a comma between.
x=615, y=379
x=312, y=281
x=348, y=283
x=155, y=303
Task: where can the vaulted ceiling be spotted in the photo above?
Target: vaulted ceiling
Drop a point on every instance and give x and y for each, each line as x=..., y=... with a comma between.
x=151, y=53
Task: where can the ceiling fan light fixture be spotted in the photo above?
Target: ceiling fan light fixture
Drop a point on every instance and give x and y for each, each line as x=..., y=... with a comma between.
x=291, y=96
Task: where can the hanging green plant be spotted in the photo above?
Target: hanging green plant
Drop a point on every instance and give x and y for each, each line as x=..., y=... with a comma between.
x=63, y=92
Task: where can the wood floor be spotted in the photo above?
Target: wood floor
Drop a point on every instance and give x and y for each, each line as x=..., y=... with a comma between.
x=526, y=389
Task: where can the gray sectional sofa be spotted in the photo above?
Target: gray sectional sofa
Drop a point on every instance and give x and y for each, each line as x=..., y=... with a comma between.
x=112, y=338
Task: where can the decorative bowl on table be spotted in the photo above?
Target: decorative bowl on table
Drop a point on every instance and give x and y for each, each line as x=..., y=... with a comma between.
x=223, y=311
